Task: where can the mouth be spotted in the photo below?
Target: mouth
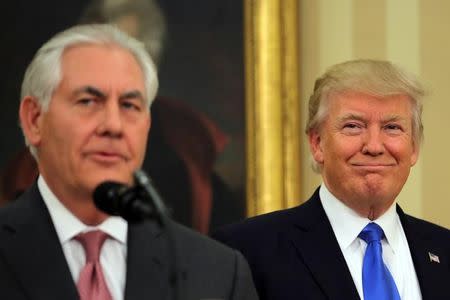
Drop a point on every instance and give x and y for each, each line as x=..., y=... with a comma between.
x=106, y=157
x=372, y=168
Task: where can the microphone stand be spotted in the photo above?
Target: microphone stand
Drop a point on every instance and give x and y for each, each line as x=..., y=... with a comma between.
x=161, y=214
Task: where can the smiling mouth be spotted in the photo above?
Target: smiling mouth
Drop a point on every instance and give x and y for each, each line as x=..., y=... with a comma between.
x=372, y=167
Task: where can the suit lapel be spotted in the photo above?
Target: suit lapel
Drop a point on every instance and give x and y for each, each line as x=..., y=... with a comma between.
x=432, y=276
x=318, y=248
x=147, y=257
x=33, y=250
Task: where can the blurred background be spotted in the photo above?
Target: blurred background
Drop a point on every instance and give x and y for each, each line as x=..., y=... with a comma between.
x=199, y=49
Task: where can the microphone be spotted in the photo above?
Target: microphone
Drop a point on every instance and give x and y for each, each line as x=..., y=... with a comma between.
x=144, y=181
x=117, y=199
x=136, y=204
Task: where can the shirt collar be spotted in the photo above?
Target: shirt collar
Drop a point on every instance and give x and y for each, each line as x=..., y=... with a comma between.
x=390, y=223
x=347, y=224
x=68, y=226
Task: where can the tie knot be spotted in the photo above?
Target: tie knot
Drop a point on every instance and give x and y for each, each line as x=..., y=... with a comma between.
x=92, y=242
x=371, y=233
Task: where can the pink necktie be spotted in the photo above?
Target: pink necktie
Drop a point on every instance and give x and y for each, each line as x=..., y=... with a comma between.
x=91, y=283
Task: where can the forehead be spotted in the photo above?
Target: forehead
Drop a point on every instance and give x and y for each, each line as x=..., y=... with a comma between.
x=102, y=64
x=369, y=105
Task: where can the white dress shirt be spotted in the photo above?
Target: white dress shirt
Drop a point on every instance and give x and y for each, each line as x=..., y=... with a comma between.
x=347, y=225
x=113, y=253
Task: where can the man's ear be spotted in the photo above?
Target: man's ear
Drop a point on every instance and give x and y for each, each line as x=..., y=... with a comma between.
x=30, y=114
x=415, y=154
x=315, y=145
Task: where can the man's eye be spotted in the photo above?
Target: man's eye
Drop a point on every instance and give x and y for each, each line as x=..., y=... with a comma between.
x=393, y=127
x=130, y=105
x=85, y=101
x=351, y=126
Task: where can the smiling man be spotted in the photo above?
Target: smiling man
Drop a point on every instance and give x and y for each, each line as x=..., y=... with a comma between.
x=351, y=240
x=85, y=117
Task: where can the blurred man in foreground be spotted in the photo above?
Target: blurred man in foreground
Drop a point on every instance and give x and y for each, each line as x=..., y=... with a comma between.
x=85, y=116
x=351, y=240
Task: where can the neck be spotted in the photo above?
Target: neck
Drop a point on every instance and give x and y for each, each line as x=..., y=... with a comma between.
x=367, y=206
x=80, y=204
x=373, y=213
x=368, y=209
x=86, y=212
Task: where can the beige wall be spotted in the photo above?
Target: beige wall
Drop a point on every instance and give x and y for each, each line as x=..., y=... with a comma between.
x=411, y=33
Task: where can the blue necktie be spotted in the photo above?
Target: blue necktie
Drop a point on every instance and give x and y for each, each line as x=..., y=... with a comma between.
x=378, y=283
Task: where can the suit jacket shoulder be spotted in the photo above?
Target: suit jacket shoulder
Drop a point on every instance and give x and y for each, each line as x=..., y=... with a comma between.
x=32, y=262
x=293, y=254
x=205, y=268
x=211, y=270
x=424, y=228
x=430, y=250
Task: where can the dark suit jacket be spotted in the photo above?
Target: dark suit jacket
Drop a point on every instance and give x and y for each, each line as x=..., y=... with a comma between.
x=294, y=254
x=33, y=266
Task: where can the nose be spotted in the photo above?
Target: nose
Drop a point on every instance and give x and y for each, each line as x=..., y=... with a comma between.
x=111, y=120
x=373, y=142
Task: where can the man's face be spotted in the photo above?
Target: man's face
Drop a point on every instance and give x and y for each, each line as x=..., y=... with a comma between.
x=97, y=123
x=366, y=150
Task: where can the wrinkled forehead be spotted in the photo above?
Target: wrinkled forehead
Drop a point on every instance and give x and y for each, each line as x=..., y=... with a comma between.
x=103, y=66
x=348, y=99
x=357, y=105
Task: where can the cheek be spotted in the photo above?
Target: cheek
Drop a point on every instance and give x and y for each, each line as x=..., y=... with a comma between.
x=341, y=148
x=55, y=136
x=402, y=151
x=71, y=139
x=138, y=139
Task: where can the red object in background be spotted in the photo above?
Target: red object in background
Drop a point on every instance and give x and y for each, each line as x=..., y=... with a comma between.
x=19, y=174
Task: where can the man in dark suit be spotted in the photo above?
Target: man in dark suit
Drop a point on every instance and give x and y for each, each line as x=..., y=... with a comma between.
x=85, y=116
x=351, y=240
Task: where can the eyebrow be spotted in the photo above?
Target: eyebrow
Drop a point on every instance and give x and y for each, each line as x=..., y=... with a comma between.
x=352, y=116
x=90, y=90
x=394, y=118
x=134, y=94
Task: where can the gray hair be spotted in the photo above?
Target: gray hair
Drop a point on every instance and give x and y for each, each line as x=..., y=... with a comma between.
x=372, y=77
x=44, y=73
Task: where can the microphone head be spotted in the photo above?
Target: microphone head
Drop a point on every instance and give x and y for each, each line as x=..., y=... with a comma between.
x=107, y=197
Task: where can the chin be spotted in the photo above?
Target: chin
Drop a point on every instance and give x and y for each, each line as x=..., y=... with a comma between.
x=128, y=180
x=376, y=195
